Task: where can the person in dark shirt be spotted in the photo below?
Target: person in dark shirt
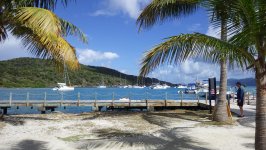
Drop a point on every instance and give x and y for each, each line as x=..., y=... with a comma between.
x=240, y=98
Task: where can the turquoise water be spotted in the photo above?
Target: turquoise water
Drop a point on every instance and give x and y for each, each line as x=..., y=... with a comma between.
x=91, y=94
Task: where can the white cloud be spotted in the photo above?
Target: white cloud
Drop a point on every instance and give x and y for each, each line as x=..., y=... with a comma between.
x=191, y=69
x=187, y=71
x=89, y=56
x=132, y=8
x=12, y=48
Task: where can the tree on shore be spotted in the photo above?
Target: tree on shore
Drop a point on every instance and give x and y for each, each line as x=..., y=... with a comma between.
x=162, y=10
x=40, y=30
x=246, y=47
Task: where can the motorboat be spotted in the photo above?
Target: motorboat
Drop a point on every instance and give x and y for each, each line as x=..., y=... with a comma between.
x=101, y=86
x=137, y=87
x=181, y=87
x=191, y=89
x=158, y=87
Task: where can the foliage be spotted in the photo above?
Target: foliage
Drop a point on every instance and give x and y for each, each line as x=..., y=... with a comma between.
x=41, y=31
x=30, y=72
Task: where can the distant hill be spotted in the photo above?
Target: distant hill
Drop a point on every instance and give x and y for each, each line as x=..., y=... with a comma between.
x=246, y=81
x=33, y=72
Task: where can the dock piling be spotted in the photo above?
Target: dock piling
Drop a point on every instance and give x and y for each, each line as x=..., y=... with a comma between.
x=78, y=99
x=10, y=99
x=27, y=99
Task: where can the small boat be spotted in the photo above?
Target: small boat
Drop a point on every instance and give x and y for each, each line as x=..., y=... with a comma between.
x=101, y=86
x=158, y=87
x=191, y=89
x=137, y=87
x=181, y=87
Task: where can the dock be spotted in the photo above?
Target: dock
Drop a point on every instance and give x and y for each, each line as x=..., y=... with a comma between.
x=149, y=105
x=146, y=104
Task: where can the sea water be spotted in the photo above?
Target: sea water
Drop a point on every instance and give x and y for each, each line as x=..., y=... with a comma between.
x=92, y=94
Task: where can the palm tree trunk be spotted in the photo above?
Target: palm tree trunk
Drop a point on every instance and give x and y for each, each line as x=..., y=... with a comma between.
x=260, y=134
x=220, y=112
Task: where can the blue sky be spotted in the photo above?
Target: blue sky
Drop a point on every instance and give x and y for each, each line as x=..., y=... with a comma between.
x=114, y=40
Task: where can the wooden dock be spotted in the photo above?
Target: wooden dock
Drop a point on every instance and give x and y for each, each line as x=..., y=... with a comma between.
x=150, y=105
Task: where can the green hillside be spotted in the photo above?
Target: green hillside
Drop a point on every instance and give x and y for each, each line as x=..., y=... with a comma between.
x=33, y=72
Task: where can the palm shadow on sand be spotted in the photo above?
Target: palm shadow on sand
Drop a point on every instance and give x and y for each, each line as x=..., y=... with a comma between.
x=170, y=139
x=30, y=145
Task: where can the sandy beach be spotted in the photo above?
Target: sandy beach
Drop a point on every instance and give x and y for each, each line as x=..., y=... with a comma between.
x=175, y=129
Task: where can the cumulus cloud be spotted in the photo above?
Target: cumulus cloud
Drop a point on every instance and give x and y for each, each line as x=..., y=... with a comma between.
x=89, y=56
x=187, y=71
x=12, y=48
x=190, y=70
x=132, y=8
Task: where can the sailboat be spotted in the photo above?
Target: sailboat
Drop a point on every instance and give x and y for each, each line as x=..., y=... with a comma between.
x=102, y=86
x=63, y=86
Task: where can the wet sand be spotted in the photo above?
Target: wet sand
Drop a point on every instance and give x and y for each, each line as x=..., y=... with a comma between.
x=175, y=129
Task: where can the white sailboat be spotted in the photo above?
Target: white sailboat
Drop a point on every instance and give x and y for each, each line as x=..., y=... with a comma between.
x=102, y=86
x=63, y=86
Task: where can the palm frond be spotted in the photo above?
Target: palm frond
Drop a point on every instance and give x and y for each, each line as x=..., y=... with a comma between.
x=46, y=4
x=41, y=33
x=70, y=29
x=177, y=49
x=48, y=46
x=160, y=10
x=38, y=19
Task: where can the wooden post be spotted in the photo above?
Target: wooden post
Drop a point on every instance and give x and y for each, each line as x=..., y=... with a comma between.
x=206, y=98
x=44, y=104
x=233, y=97
x=10, y=99
x=181, y=98
x=165, y=103
x=248, y=98
x=197, y=95
x=129, y=102
x=27, y=99
x=62, y=97
x=78, y=99
x=113, y=98
x=95, y=99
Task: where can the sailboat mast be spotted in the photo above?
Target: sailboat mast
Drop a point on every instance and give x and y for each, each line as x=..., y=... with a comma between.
x=65, y=77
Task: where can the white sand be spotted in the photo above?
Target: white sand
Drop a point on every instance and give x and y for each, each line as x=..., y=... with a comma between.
x=124, y=131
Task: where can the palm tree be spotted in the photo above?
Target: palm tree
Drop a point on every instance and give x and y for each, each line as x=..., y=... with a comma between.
x=246, y=47
x=41, y=31
x=161, y=10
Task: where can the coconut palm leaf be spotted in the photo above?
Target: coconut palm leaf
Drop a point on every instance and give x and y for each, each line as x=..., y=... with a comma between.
x=160, y=10
x=177, y=49
x=38, y=19
x=41, y=33
x=70, y=29
x=46, y=4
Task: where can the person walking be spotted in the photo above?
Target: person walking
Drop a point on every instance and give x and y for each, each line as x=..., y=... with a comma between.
x=240, y=98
